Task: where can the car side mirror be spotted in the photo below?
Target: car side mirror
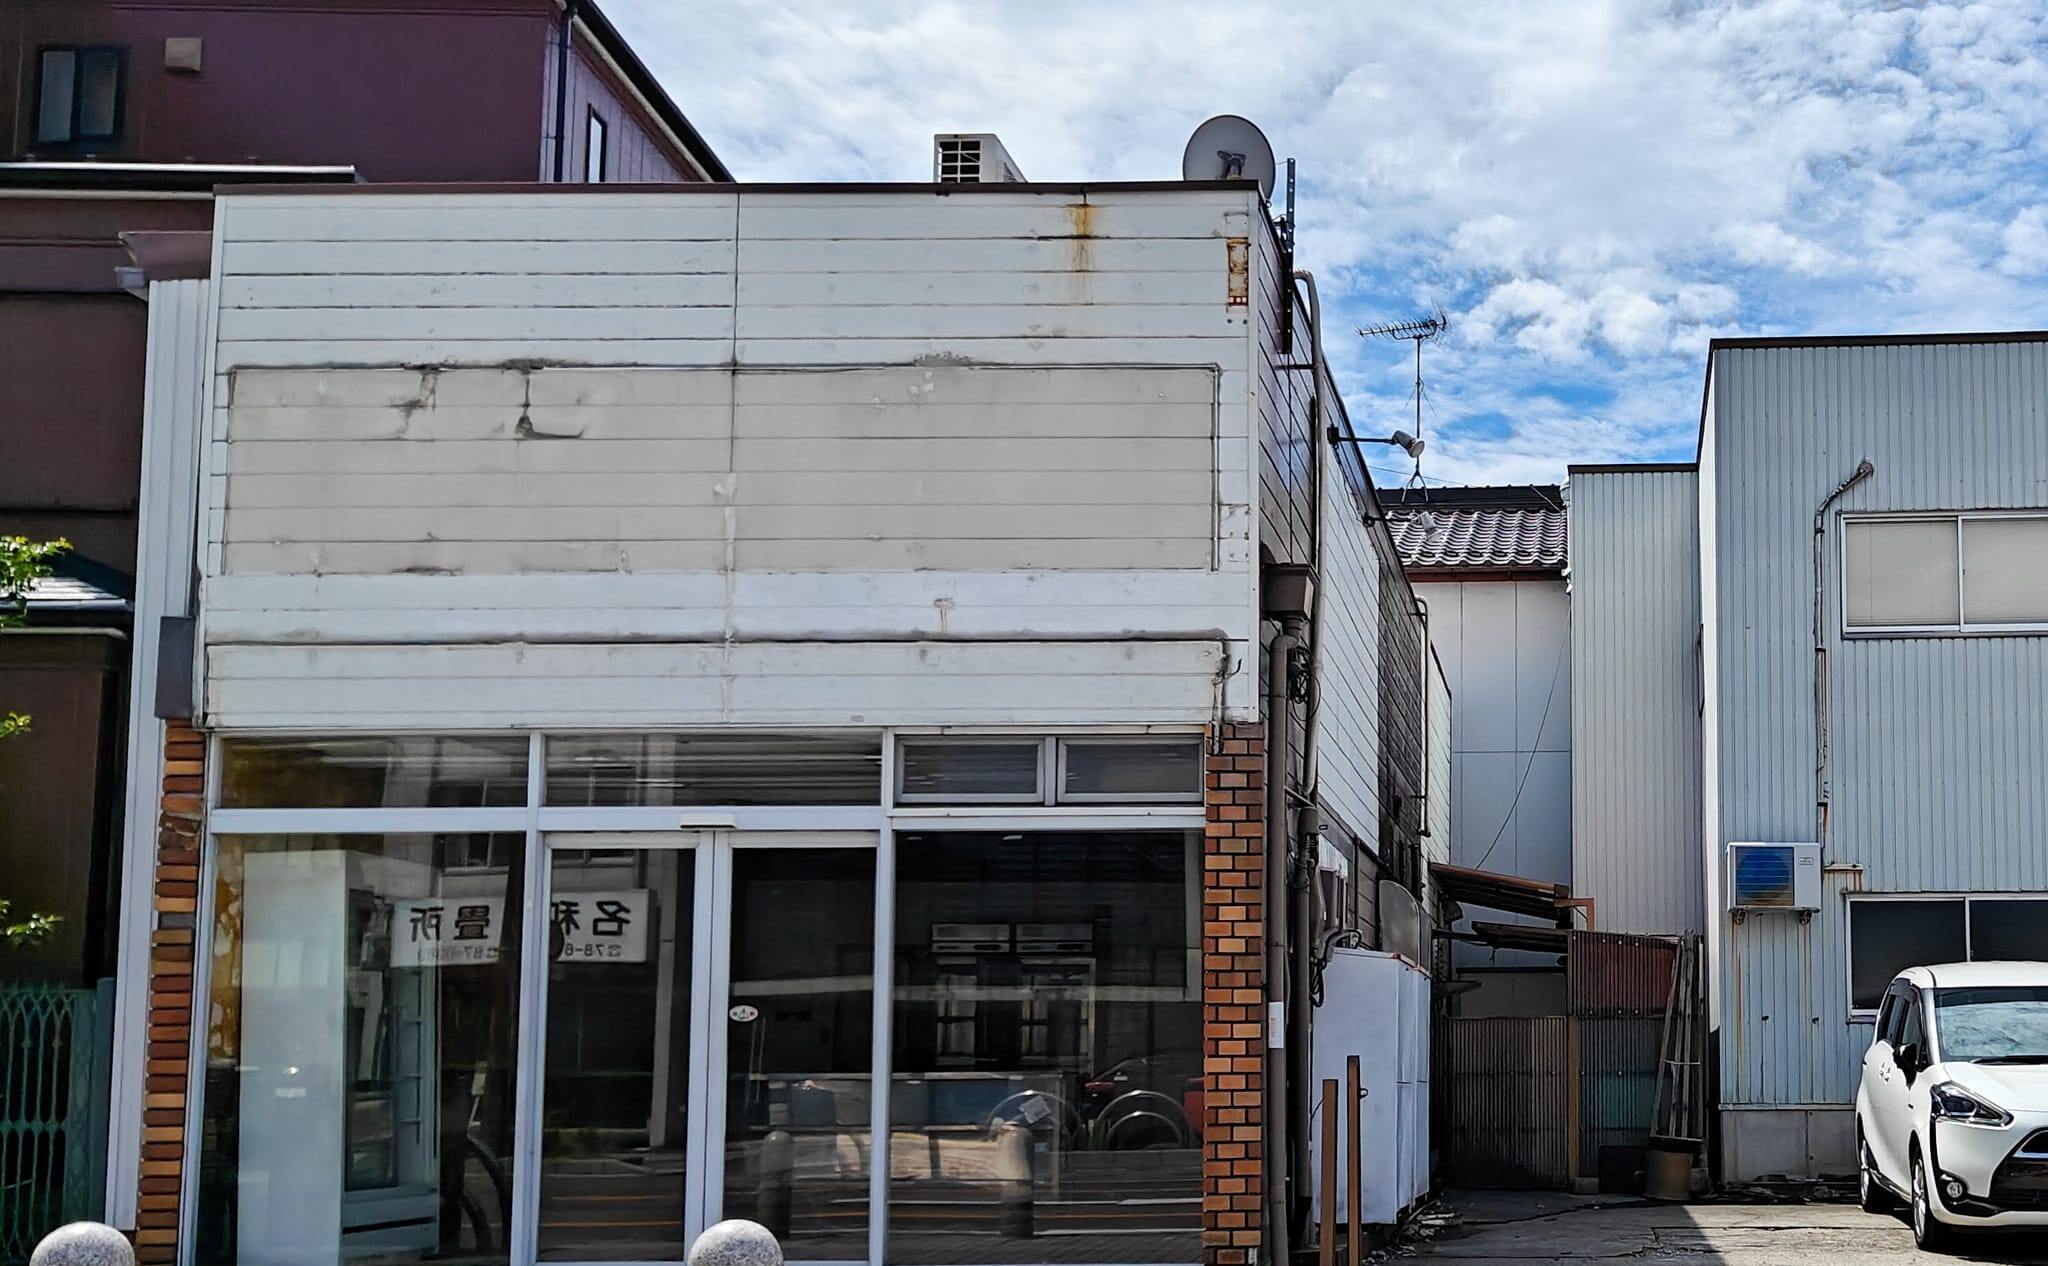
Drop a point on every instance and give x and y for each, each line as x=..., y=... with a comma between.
x=1907, y=1057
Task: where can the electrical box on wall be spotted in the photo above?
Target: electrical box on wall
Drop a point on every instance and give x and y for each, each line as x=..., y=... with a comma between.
x=1774, y=876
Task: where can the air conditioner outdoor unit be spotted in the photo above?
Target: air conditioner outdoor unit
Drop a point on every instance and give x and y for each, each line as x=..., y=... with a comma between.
x=1774, y=876
x=972, y=158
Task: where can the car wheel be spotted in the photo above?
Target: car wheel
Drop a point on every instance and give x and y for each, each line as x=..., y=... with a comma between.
x=1872, y=1194
x=1930, y=1234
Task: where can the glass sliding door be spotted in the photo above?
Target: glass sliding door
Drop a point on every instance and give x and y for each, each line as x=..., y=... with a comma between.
x=798, y=1050
x=616, y=1107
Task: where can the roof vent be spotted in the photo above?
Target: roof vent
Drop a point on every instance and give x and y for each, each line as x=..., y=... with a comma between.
x=972, y=158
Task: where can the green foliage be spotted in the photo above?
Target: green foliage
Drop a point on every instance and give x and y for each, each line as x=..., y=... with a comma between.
x=22, y=563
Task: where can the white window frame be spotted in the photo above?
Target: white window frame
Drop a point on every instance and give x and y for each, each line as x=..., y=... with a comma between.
x=538, y=822
x=1963, y=627
x=1868, y=1015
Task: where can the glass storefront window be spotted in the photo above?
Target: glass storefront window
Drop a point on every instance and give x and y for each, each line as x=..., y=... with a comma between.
x=740, y=769
x=374, y=772
x=360, y=1033
x=1046, y=1093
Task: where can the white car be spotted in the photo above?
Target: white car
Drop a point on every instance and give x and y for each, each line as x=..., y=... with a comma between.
x=1952, y=1112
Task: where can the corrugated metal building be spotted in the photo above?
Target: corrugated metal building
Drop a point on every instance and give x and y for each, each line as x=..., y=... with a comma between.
x=1933, y=593
x=1635, y=696
x=1488, y=564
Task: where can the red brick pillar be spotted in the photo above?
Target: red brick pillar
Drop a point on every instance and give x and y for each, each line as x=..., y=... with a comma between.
x=1233, y=995
x=175, y=932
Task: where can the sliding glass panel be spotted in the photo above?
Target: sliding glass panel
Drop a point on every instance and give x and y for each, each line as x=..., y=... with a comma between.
x=364, y=1011
x=1900, y=572
x=2005, y=571
x=406, y=772
x=2008, y=930
x=966, y=770
x=799, y=1027
x=1886, y=937
x=681, y=769
x=1046, y=1088
x=1122, y=769
x=615, y=1098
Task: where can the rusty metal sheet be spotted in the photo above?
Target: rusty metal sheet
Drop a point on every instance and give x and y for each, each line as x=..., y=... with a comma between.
x=1615, y=974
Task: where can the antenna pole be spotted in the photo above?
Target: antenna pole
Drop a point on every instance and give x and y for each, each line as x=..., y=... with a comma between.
x=1418, y=394
x=1426, y=330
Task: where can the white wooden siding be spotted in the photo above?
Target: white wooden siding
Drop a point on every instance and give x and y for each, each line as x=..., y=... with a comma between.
x=968, y=468
x=767, y=684
x=626, y=419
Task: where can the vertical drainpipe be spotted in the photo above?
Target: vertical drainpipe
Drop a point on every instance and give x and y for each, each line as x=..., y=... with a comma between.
x=1279, y=760
x=1822, y=758
x=562, y=43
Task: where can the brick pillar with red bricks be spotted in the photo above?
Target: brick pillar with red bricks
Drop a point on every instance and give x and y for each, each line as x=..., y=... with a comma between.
x=1233, y=995
x=172, y=938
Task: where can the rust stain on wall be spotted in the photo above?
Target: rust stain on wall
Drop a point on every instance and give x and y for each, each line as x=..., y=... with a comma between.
x=1240, y=255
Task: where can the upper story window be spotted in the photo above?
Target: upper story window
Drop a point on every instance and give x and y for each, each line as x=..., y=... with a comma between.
x=78, y=96
x=596, y=164
x=1945, y=573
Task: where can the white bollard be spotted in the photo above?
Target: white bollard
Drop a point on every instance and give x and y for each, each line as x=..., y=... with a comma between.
x=86, y=1244
x=734, y=1242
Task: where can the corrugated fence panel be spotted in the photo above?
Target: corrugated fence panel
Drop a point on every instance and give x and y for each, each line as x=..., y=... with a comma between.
x=1506, y=1101
x=1635, y=698
x=1938, y=743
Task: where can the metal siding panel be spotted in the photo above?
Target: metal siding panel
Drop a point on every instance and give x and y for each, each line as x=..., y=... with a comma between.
x=1634, y=714
x=1937, y=745
x=1505, y=1101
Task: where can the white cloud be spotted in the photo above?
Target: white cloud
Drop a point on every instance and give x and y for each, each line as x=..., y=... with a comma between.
x=1592, y=187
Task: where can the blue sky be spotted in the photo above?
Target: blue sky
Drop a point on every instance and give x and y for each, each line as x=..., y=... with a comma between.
x=1592, y=190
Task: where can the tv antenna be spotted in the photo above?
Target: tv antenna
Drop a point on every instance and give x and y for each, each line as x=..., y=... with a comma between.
x=1423, y=330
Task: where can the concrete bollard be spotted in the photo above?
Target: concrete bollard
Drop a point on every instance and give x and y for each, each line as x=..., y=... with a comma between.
x=736, y=1242
x=84, y=1244
x=1014, y=1216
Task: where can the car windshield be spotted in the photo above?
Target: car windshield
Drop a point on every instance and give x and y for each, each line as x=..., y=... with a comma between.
x=2005, y=1025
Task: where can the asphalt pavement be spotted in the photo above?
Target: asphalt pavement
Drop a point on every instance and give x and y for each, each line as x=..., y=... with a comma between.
x=1483, y=1228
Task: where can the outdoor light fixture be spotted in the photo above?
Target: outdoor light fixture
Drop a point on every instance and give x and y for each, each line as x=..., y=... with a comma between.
x=1407, y=443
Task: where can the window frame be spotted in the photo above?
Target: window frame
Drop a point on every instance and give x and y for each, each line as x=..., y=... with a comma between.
x=76, y=140
x=596, y=159
x=1869, y=1015
x=1963, y=627
x=1040, y=795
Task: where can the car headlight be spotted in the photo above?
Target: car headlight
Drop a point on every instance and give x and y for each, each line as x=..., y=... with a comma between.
x=1953, y=1103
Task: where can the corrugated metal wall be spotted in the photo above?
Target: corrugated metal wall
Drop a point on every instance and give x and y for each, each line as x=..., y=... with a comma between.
x=1504, y=1086
x=1635, y=698
x=1939, y=743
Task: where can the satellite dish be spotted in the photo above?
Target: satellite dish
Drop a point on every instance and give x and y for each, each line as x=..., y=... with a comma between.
x=1228, y=147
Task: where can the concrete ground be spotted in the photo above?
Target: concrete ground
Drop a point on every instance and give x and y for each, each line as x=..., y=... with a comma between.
x=1482, y=1228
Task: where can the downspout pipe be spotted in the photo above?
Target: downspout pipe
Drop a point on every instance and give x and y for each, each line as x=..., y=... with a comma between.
x=1279, y=761
x=1304, y=840
x=562, y=42
x=1822, y=757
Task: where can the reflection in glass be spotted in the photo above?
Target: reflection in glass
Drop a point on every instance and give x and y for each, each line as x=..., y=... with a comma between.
x=1046, y=1090
x=1886, y=937
x=407, y=772
x=2008, y=929
x=967, y=770
x=616, y=1094
x=693, y=769
x=363, y=1008
x=799, y=1028
x=1169, y=769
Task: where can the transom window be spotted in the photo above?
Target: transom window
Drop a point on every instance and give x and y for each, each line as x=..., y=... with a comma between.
x=948, y=769
x=1889, y=934
x=1945, y=573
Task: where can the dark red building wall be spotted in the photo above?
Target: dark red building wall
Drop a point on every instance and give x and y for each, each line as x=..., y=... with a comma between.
x=425, y=90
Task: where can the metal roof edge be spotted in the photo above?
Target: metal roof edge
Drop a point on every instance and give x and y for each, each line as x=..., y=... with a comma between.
x=1746, y=342
x=1631, y=468
x=805, y=186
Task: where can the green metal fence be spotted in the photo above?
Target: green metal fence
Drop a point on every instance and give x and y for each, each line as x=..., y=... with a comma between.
x=55, y=1051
